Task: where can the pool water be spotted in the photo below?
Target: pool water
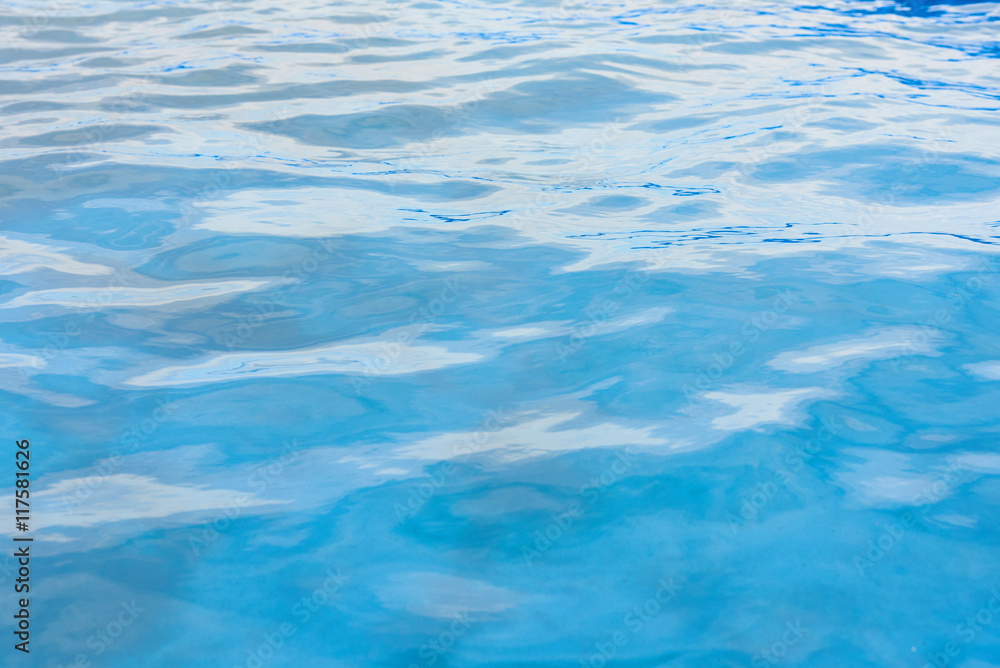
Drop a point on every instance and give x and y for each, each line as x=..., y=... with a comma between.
x=503, y=334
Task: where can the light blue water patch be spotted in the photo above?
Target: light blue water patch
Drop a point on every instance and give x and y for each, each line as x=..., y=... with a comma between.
x=541, y=334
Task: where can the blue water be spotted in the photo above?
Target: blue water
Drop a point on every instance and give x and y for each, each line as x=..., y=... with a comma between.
x=503, y=334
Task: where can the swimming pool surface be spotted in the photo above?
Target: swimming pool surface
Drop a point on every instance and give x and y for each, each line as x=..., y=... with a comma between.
x=503, y=334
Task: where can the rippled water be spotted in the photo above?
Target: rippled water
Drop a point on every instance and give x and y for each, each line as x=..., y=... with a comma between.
x=504, y=334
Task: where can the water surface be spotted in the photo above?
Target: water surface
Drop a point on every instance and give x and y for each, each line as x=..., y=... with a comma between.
x=504, y=334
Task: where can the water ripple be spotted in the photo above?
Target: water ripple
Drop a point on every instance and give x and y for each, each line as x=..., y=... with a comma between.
x=520, y=334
